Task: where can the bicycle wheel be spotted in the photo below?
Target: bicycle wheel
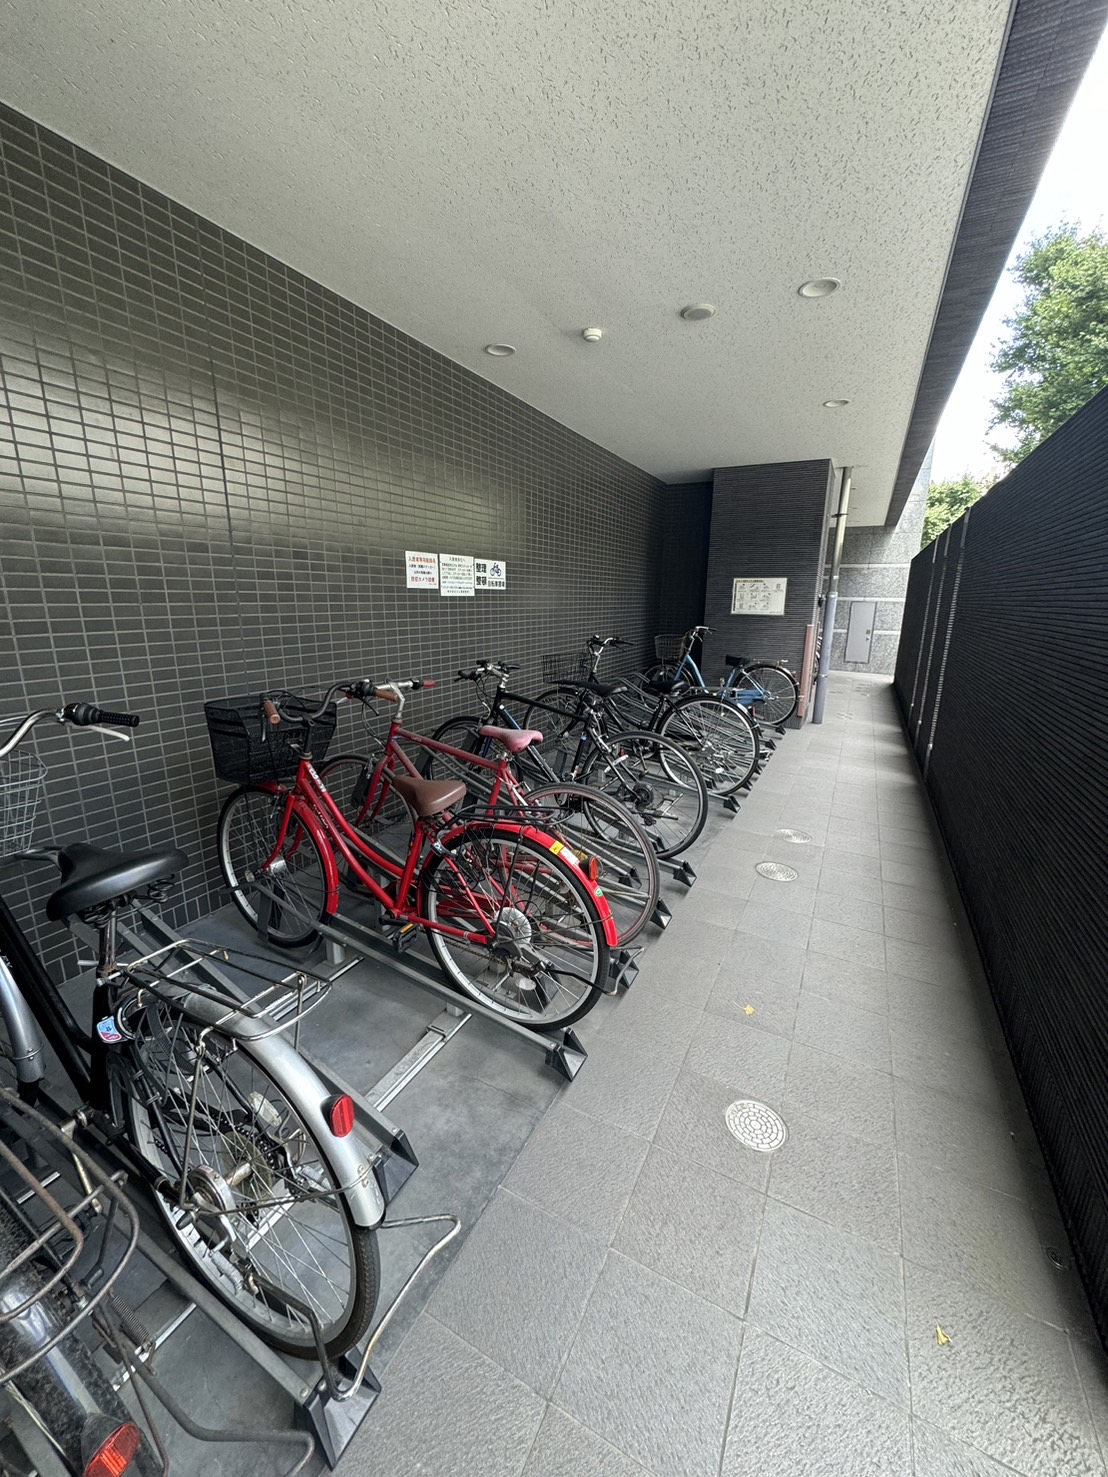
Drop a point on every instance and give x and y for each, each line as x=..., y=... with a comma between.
x=656, y=779
x=371, y=809
x=541, y=949
x=263, y=1221
x=294, y=885
x=781, y=691
x=718, y=736
x=612, y=847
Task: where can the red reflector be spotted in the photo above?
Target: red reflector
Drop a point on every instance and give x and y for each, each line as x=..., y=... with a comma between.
x=115, y=1455
x=339, y=1112
x=594, y=869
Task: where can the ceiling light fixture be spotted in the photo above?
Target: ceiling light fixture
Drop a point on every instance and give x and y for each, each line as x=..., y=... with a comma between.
x=819, y=287
x=835, y=404
x=592, y=335
x=500, y=351
x=697, y=312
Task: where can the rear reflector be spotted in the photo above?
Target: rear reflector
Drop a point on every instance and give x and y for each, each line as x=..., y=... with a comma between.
x=339, y=1112
x=115, y=1455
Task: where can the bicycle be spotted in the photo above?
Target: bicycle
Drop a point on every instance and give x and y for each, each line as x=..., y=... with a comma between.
x=770, y=690
x=610, y=845
x=251, y=1161
x=650, y=774
x=722, y=739
x=509, y=915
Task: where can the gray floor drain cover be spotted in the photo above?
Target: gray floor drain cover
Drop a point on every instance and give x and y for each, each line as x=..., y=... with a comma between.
x=777, y=871
x=756, y=1126
x=786, y=833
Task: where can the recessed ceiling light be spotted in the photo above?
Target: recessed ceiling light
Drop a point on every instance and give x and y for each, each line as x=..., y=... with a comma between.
x=819, y=287
x=835, y=404
x=696, y=312
x=500, y=351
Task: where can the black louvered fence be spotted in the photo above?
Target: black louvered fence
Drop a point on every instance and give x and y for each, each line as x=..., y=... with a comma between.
x=1002, y=680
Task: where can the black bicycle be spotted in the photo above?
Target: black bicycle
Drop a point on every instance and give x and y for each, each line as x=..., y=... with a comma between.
x=650, y=773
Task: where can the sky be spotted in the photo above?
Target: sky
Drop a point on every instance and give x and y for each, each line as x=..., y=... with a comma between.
x=1074, y=188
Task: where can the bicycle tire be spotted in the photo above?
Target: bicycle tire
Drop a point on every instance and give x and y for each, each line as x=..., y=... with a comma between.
x=245, y=835
x=783, y=688
x=246, y=1126
x=719, y=736
x=600, y=829
x=347, y=778
x=671, y=810
x=488, y=862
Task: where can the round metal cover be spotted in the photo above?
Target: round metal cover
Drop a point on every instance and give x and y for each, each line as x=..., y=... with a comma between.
x=777, y=871
x=786, y=833
x=756, y=1126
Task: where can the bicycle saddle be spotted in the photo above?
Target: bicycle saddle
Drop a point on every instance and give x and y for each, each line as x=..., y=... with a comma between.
x=663, y=684
x=602, y=689
x=515, y=740
x=92, y=876
x=428, y=797
x=736, y=661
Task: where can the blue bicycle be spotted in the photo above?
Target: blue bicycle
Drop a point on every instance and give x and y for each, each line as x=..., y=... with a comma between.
x=768, y=690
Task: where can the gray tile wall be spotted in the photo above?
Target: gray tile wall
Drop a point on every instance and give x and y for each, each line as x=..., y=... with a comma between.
x=875, y=567
x=766, y=520
x=210, y=468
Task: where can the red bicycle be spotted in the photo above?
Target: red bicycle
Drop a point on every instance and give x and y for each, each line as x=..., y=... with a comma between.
x=605, y=836
x=508, y=912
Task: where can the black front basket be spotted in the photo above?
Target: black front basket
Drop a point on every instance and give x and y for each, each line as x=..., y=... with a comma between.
x=247, y=749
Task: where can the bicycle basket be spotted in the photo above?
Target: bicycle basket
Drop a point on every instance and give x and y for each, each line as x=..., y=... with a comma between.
x=22, y=781
x=669, y=648
x=565, y=666
x=247, y=749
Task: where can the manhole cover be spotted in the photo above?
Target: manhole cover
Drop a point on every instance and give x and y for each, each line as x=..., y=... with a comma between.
x=786, y=833
x=777, y=871
x=756, y=1126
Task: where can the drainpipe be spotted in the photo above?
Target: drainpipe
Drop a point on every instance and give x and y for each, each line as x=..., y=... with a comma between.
x=830, y=604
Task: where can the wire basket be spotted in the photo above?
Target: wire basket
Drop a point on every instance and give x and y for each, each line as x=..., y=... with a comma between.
x=247, y=749
x=669, y=648
x=565, y=666
x=22, y=782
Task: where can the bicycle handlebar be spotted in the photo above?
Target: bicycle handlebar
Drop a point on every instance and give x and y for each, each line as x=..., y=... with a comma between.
x=600, y=643
x=81, y=715
x=482, y=669
x=359, y=690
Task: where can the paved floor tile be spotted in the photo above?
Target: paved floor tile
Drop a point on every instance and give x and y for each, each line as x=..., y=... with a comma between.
x=940, y=1455
x=793, y=1415
x=834, y=1296
x=916, y=899
x=849, y=885
x=938, y=1009
x=844, y=979
x=518, y=1288
x=768, y=920
x=626, y=1081
x=445, y=1409
x=760, y=1005
x=964, y=1138
x=841, y=1179
x=565, y=1448
x=951, y=1064
x=848, y=863
x=693, y=1126
x=844, y=1030
x=1003, y=1384
x=751, y=957
x=843, y=942
x=933, y=929
x=751, y=1062
x=580, y=1169
x=854, y=912
x=856, y=1099
x=652, y=1371
x=919, y=874
x=925, y=962
x=794, y=897
x=695, y=1226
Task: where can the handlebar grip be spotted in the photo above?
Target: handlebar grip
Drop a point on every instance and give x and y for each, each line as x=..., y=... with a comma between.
x=85, y=714
x=427, y=682
x=270, y=709
x=386, y=695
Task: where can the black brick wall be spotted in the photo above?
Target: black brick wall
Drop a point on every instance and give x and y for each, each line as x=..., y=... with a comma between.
x=1003, y=681
x=686, y=529
x=766, y=520
x=210, y=468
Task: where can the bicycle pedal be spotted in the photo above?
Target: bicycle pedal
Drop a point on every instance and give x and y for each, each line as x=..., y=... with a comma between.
x=399, y=935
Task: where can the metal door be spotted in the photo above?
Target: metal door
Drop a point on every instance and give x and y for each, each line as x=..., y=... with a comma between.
x=859, y=630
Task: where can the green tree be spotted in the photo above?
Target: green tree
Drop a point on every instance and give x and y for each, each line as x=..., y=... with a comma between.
x=947, y=501
x=1057, y=356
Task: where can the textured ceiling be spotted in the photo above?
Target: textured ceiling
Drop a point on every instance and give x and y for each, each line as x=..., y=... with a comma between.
x=516, y=170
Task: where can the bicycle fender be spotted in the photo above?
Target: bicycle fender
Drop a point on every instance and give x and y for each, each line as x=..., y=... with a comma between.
x=349, y=1159
x=560, y=849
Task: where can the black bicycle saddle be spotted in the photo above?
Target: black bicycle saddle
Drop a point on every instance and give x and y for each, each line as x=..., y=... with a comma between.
x=92, y=876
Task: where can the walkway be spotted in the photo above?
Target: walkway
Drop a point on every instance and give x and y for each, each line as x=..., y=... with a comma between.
x=876, y=1298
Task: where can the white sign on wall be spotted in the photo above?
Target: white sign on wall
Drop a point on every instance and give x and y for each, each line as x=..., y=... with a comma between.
x=490, y=574
x=455, y=574
x=423, y=570
x=758, y=596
